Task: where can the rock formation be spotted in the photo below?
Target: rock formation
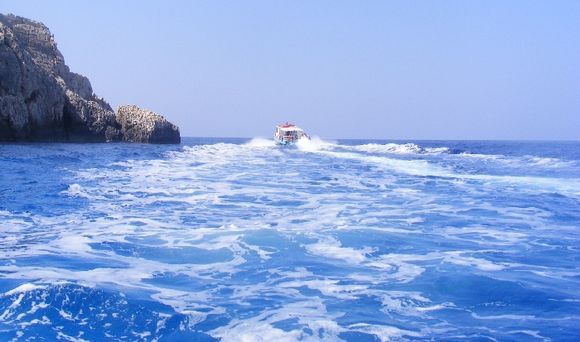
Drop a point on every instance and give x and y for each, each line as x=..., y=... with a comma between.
x=42, y=100
x=142, y=125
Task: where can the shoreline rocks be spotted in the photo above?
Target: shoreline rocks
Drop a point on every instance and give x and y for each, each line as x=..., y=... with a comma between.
x=42, y=100
x=143, y=125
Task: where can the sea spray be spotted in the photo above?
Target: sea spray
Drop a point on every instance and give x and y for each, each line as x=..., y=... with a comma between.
x=260, y=142
x=314, y=144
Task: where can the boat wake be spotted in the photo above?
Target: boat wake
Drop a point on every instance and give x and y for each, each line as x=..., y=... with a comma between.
x=232, y=239
x=314, y=144
x=261, y=142
x=407, y=148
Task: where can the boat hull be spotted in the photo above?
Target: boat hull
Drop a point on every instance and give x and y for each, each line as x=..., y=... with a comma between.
x=284, y=142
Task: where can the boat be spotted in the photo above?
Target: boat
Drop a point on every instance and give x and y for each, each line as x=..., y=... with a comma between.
x=288, y=134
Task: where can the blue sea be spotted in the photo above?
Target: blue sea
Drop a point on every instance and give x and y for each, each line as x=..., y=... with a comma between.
x=242, y=240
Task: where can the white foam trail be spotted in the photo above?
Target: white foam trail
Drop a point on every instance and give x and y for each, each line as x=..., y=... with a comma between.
x=492, y=236
x=565, y=186
x=408, y=148
x=24, y=288
x=452, y=257
x=310, y=313
x=549, y=162
x=314, y=144
x=74, y=243
x=247, y=180
x=329, y=287
x=332, y=248
x=75, y=190
x=521, y=161
x=260, y=142
x=383, y=332
x=411, y=167
x=514, y=161
x=424, y=168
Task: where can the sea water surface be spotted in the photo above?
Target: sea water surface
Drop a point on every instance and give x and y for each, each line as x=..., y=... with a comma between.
x=242, y=240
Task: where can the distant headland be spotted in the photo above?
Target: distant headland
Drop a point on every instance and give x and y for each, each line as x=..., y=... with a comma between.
x=42, y=100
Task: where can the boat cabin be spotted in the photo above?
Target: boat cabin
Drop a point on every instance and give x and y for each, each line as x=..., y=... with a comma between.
x=288, y=133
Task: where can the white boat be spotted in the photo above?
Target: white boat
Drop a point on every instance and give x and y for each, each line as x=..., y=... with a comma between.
x=288, y=133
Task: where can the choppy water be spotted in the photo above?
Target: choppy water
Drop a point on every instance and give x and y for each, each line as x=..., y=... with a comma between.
x=235, y=239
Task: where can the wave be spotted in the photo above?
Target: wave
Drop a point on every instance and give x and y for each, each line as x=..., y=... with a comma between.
x=315, y=144
x=424, y=168
x=548, y=162
x=260, y=142
x=385, y=156
x=410, y=167
x=209, y=153
x=75, y=190
x=535, y=162
x=306, y=145
x=415, y=149
x=61, y=312
x=408, y=148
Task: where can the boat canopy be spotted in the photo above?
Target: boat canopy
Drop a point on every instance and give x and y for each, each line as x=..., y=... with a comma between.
x=288, y=127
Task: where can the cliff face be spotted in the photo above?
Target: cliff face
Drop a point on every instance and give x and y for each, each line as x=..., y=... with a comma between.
x=42, y=100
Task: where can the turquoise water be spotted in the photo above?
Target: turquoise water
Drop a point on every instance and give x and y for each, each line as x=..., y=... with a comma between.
x=237, y=239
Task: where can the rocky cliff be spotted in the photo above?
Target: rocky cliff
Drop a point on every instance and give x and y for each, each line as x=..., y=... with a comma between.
x=42, y=100
x=142, y=125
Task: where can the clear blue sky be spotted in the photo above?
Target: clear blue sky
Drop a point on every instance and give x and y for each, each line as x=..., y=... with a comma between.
x=341, y=69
